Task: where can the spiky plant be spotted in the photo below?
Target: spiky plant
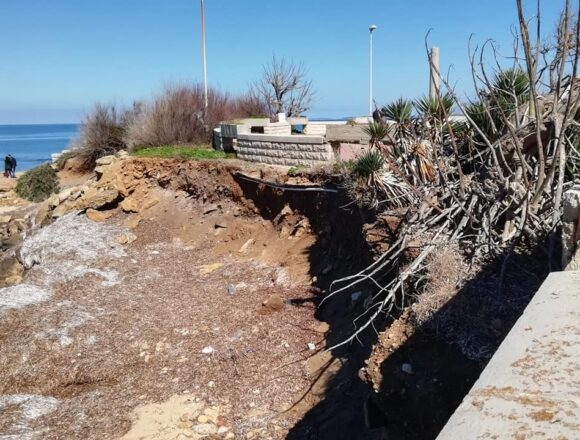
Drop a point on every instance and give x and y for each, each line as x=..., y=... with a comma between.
x=437, y=108
x=399, y=111
x=513, y=85
x=377, y=131
x=367, y=165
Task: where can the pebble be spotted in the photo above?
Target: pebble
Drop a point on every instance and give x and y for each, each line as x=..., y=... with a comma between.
x=205, y=429
x=203, y=419
x=207, y=350
x=407, y=368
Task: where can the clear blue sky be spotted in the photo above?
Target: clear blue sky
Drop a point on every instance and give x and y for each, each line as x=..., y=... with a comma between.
x=59, y=57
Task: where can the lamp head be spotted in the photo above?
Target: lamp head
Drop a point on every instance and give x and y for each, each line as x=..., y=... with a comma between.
x=372, y=27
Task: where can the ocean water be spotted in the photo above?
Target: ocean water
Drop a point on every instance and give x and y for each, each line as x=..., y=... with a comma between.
x=32, y=145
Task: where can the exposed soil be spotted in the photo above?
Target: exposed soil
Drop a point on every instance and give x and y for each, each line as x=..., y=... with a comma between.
x=209, y=309
x=189, y=309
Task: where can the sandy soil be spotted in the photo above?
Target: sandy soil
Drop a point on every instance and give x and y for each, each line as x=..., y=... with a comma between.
x=174, y=319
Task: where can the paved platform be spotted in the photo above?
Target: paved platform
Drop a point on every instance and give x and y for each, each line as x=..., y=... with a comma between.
x=531, y=387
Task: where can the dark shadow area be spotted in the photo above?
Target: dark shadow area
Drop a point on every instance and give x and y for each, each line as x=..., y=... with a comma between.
x=446, y=353
x=341, y=249
x=475, y=321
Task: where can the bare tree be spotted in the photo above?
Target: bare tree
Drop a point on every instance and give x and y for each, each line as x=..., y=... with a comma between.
x=284, y=88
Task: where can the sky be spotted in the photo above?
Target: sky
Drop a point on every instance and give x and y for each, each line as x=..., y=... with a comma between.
x=59, y=57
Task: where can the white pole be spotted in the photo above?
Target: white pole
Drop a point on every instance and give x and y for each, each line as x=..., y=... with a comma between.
x=434, y=79
x=371, y=29
x=203, y=51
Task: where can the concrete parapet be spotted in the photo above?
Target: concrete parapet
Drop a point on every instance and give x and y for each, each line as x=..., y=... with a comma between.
x=571, y=229
x=296, y=139
x=315, y=129
x=347, y=133
x=529, y=389
x=278, y=128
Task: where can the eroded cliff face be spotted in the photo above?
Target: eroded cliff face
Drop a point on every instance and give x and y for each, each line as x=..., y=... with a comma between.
x=172, y=282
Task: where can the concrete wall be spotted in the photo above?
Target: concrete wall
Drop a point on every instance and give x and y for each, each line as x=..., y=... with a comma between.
x=347, y=133
x=315, y=129
x=571, y=229
x=292, y=150
x=278, y=128
x=529, y=389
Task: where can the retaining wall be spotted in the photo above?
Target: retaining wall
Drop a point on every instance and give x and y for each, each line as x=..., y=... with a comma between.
x=571, y=229
x=295, y=150
x=529, y=389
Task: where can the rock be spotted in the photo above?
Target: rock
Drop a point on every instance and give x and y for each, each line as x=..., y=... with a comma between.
x=54, y=201
x=130, y=205
x=274, y=303
x=212, y=414
x=105, y=160
x=150, y=202
x=207, y=350
x=203, y=419
x=95, y=199
x=231, y=289
x=282, y=278
x=205, y=429
x=229, y=436
x=42, y=214
x=126, y=238
x=246, y=246
x=65, y=194
x=11, y=272
x=5, y=218
x=323, y=327
x=222, y=430
x=211, y=208
x=407, y=368
x=99, y=216
x=132, y=221
x=311, y=346
x=63, y=209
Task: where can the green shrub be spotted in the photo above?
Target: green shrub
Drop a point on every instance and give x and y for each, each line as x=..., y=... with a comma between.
x=297, y=171
x=369, y=164
x=38, y=184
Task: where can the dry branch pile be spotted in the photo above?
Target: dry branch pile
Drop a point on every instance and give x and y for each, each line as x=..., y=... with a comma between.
x=490, y=182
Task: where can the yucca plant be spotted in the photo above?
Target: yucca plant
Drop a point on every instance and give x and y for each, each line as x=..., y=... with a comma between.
x=437, y=108
x=399, y=111
x=513, y=85
x=377, y=131
x=369, y=164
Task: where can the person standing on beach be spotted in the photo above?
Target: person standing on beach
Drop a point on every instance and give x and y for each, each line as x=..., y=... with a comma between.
x=13, y=166
x=7, y=166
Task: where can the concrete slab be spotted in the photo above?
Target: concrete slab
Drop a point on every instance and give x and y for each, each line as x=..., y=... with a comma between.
x=531, y=387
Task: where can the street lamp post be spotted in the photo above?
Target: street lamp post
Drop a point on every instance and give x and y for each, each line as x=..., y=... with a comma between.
x=372, y=27
x=204, y=60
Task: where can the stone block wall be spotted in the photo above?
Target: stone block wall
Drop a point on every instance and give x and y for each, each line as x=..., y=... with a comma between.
x=293, y=150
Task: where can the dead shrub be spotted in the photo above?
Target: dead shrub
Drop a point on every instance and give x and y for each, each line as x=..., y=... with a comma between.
x=102, y=133
x=177, y=116
x=446, y=271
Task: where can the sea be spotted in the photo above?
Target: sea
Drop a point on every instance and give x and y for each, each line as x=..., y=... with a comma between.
x=32, y=145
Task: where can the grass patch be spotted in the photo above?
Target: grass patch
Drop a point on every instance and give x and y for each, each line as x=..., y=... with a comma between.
x=182, y=152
